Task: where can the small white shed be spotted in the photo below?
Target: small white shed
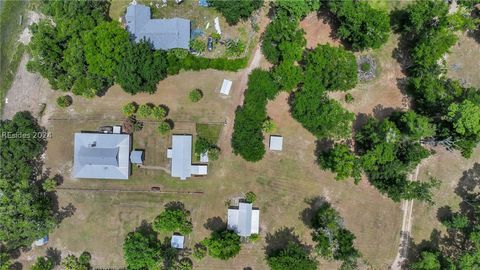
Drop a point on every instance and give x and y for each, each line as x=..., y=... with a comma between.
x=226, y=86
x=177, y=241
x=276, y=143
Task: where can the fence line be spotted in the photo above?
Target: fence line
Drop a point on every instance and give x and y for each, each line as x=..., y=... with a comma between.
x=131, y=190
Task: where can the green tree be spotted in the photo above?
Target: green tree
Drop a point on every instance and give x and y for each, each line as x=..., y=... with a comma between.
x=250, y=197
x=428, y=261
x=141, y=68
x=141, y=250
x=64, y=101
x=106, y=46
x=26, y=212
x=293, y=256
x=416, y=126
x=223, y=245
x=173, y=220
x=341, y=160
x=129, y=109
x=164, y=128
x=287, y=75
x=144, y=110
x=321, y=116
x=233, y=11
x=360, y=24
x=71, y=262
x=195, y=95
x=42, y=263
x=283, y=40
x=323, y=73
x=49, y=185
x=159, y=112
x=5, y=260
x=465, y=118
x=421, y=15
x=298, y=8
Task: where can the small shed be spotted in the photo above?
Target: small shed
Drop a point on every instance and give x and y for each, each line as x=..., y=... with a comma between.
x=117, y=129
x=199, y=169
x=226, y=86
x=217, y=25
x=276, y=143
x=136, y=157
x=177, y=241
x=41, y=242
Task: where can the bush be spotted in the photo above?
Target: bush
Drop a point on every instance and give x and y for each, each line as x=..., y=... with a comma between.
x=64, y=101
x=159, y=112
x=349, y=98
x=199, y=251
x=365, y=67
x=254, y=237
x=235, y=48
x=144, y=111
x=195, y=95
x=129, y=109
x=198, y=45
x=213, y=153
x=268, y=126
x=164, y=128
x=250, y=197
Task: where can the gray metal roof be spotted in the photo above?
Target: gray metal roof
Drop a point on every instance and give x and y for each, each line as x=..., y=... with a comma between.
x=101, y=156
x=136, y=157
x=177, y=241
x=244, y=219
x=181, y=156
x=163, y=33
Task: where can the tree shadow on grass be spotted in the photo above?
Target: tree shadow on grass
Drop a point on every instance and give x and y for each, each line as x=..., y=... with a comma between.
x=54, y=255
x=175, y=205
x=280, y=239
x=215, y=224
x=307, y=214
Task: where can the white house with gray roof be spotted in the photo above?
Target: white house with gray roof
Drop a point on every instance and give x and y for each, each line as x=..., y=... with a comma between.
x=101, y=156
x=181, y=155
x=164, y=34
x=244, y=219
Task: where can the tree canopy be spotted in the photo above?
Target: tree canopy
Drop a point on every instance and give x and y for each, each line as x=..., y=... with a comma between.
x=341, y=160
x=142, y=250
x=361, y=25
x=321, y=72
x=234, y=11
x=173, y=220
x=293, y=256
x=223, y=244
x=26, y=212
x=296, y=9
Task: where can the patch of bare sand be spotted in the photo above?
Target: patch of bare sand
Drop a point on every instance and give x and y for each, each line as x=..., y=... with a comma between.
x=27, y=93
x=318, y=31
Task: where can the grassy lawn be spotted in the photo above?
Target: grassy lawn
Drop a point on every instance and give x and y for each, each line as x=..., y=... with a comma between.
x=210, y=132
x=11, y=19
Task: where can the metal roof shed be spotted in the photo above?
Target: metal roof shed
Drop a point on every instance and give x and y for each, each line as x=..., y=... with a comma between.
x=177, y=241
x=276, y=143
x=244, y=219
x=226, y=86
x=136, y=157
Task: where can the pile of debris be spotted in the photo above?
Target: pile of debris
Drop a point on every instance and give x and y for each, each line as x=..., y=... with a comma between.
x=367, y=67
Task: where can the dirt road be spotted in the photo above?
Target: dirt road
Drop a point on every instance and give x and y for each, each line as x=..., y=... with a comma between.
x=407, y=207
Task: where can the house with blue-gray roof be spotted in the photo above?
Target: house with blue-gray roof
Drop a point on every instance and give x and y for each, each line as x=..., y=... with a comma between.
x=164, y=34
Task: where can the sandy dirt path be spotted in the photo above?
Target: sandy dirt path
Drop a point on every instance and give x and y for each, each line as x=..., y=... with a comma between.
x=407, y=207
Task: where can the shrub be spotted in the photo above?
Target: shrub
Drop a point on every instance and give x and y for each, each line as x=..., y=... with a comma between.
x=365, y=67
x=250, y=197
x=235, y=48
x=213, y=153
x=195, y=95
x=199, y=251
x=129, y=109
x=349, y=98
x=198, y=45
x=268, y=126
x=158, y=112
x=49, y=185
x=64, y=101
x=144, y=111
x=173, y=220
x=254, y=237
x=223, y=245
x=164, y=128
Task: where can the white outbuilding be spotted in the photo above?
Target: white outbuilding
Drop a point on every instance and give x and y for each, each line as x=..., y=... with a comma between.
x=226, y=86
x=276, y=143
x=244, y=219
x=177, y=241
